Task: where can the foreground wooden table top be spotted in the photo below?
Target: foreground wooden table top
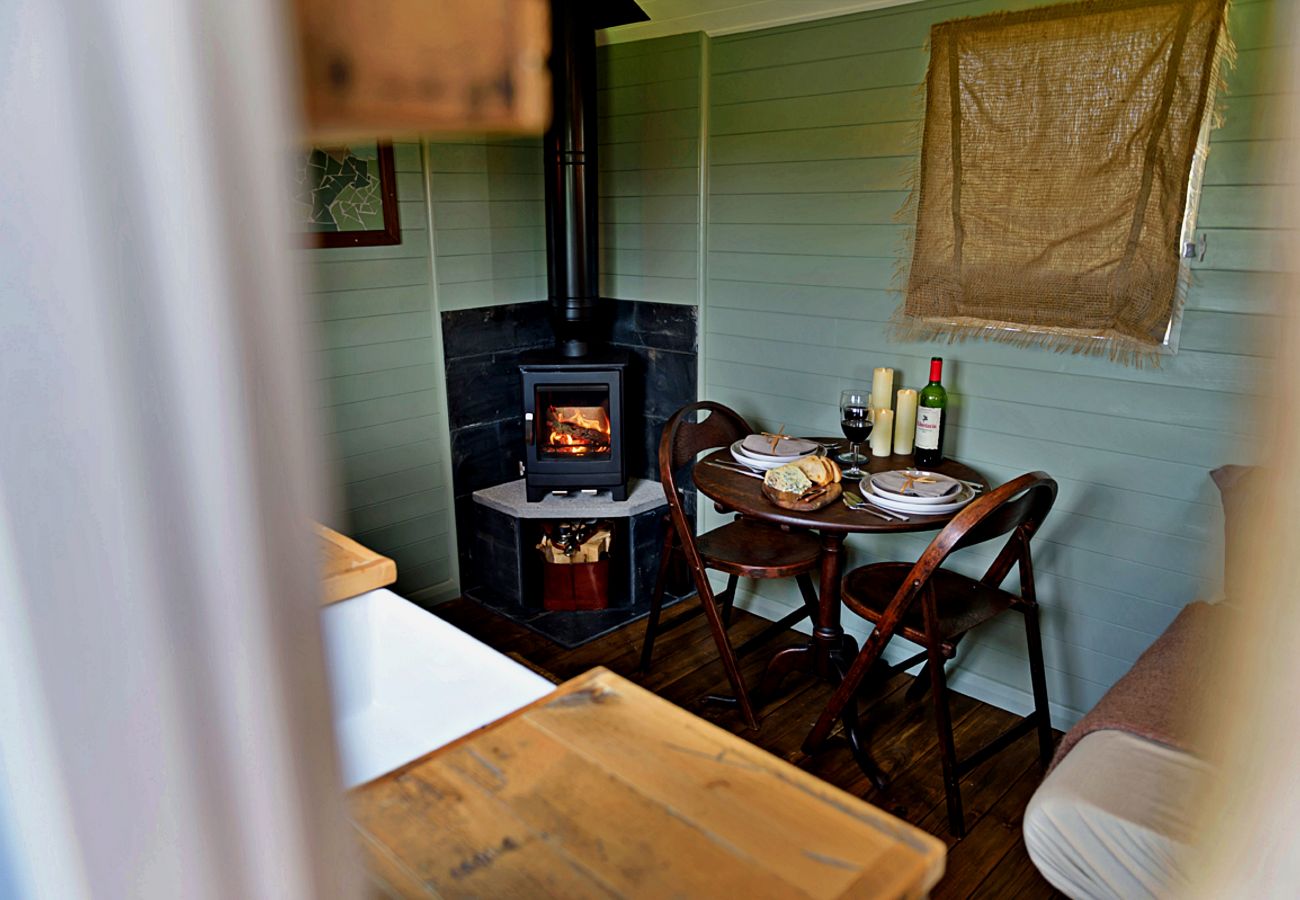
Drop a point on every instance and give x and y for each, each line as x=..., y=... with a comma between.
x=349, y=569
x=602, y=789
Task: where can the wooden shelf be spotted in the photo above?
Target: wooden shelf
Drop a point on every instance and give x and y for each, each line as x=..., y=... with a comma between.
x=349, y=568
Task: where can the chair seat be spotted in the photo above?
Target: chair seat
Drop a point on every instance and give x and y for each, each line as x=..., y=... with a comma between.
x=963, y=602
x=753, y=550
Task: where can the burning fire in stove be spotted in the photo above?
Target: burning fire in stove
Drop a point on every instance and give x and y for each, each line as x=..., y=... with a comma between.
x=577, y=430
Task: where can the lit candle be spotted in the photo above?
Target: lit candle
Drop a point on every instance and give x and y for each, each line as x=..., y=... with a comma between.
x=905, y=421
x=882, y=434
x=882, y=387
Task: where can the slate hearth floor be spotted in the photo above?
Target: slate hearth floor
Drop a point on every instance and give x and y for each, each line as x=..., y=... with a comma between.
x=568, y=629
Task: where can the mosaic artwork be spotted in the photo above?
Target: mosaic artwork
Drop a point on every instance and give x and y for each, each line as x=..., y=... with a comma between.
x=344, y=195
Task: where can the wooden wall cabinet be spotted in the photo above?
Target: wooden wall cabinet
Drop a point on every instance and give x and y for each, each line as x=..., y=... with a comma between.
x=420, y=66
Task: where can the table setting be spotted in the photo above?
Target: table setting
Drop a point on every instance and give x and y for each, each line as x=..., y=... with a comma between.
x=917, y=491
x=886, y=475
x=813, y=480
x=805, y=473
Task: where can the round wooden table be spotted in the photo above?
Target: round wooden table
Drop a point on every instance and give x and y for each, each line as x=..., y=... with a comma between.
x=830, y=651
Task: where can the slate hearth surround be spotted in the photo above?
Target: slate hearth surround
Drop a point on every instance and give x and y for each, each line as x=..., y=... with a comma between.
x=509, y=527
x=482, y=348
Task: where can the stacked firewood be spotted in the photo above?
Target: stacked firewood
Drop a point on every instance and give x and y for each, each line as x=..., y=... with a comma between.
x=580, y=433
x=575, y=542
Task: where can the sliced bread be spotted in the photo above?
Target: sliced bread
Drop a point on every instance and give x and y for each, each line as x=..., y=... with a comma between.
x=821, y=470
x=790, y=477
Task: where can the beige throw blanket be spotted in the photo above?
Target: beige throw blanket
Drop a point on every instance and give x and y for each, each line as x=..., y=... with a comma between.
x=1161, y=696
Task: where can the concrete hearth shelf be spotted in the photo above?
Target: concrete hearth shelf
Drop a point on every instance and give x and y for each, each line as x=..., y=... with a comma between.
x=509, y=498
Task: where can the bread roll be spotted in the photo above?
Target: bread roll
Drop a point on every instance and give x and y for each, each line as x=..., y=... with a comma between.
x=821, y=470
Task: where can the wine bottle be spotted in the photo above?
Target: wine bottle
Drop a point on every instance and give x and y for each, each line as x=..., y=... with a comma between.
x=931, y=418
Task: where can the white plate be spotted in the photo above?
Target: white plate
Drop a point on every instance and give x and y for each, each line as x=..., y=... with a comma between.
x=964, y=496
x=761, y=464
x=771, y=462
x=949, y=497
x=770, y=453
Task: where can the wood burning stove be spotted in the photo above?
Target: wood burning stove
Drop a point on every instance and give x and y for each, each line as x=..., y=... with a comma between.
x=569, y=164
x=573, y=423
x=574, y=396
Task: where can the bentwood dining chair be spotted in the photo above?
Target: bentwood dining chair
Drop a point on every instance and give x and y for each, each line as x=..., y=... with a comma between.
x=742, y=548
x=935, y=607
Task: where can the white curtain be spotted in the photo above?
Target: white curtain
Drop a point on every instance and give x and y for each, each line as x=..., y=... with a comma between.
x=164, y=719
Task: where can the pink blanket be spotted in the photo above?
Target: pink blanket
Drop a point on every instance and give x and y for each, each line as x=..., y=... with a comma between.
x=1158, y=699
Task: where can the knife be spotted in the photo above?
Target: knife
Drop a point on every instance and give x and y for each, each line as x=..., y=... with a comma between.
x=736, y=469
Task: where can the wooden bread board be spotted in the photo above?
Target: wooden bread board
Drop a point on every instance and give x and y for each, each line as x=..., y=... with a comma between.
x=349, y=568
x=791, y=500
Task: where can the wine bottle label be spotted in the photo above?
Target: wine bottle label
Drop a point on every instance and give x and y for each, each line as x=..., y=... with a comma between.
x=927, y=427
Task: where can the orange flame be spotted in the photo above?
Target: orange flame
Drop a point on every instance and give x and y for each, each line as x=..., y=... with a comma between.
x=589, y=418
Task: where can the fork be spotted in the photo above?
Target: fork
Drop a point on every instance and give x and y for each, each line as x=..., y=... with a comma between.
x=857, y=504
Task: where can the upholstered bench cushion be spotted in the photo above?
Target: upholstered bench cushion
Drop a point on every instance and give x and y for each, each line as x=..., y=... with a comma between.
x=1115, y=818
x=1160, y=697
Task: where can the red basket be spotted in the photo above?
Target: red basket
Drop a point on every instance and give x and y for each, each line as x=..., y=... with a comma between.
x=570, y=586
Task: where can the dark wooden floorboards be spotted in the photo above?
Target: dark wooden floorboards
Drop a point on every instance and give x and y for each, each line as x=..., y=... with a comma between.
x=990, y=862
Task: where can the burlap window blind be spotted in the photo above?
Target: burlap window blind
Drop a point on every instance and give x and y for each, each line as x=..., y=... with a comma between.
x=1060, y=149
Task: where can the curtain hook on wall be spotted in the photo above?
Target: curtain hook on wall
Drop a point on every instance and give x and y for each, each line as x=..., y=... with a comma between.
x=1196, y=249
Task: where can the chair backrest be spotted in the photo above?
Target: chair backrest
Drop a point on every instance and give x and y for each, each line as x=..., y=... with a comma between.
x=1017, y=507
x=1022, y=502
x=683, y=439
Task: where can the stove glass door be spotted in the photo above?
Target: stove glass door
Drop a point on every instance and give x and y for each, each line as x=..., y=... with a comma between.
x=572, y=421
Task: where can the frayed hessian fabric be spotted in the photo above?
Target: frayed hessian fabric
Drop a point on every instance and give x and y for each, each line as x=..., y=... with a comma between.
x=1054, y=174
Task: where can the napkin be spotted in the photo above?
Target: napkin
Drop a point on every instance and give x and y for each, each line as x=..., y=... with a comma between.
x=786, y=446
x=904, y=482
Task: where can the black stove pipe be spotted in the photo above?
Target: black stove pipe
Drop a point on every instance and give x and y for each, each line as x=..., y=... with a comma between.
x=570, y=172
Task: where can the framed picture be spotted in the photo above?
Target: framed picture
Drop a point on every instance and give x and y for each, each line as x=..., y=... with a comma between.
x=346, y=196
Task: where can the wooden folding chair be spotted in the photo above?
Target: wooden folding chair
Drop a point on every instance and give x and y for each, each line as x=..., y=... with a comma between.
x=742, y=548
x=934, y=607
